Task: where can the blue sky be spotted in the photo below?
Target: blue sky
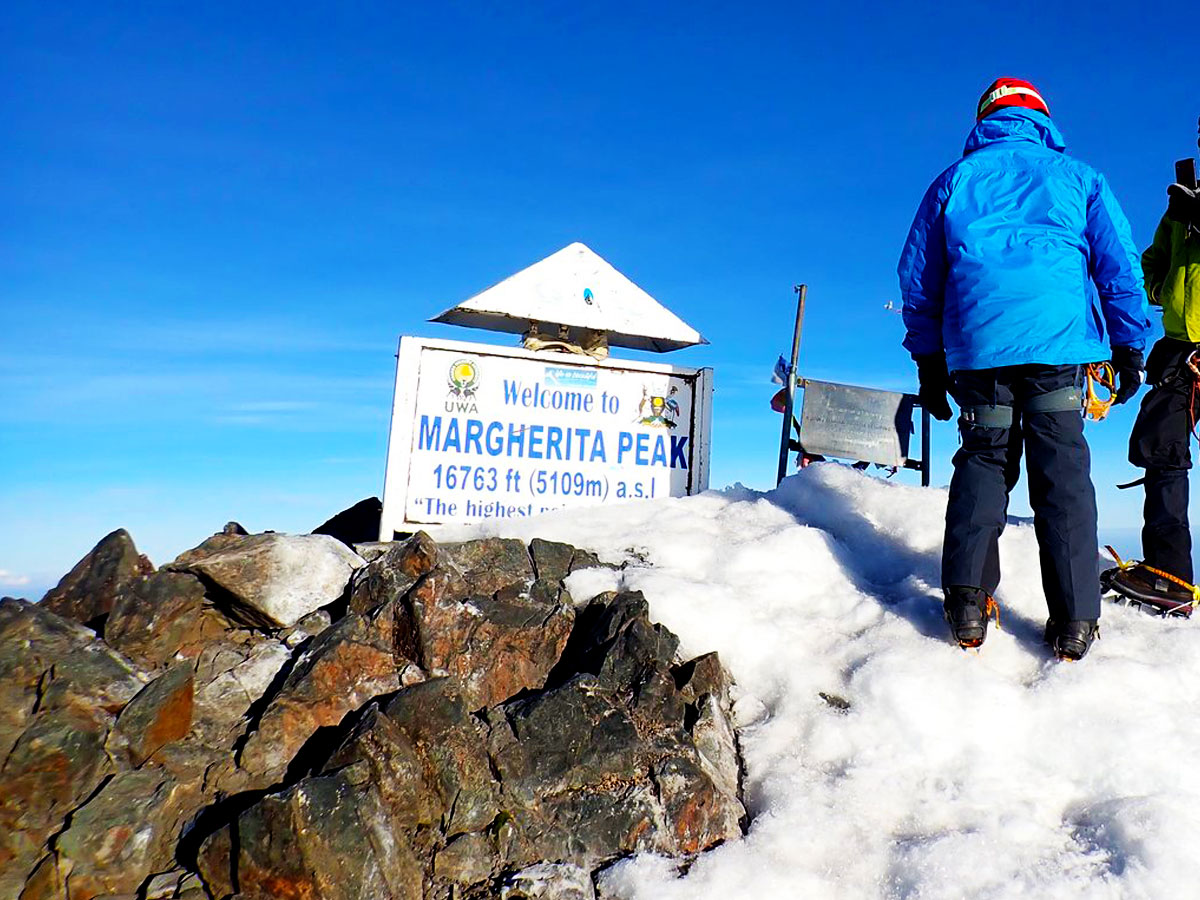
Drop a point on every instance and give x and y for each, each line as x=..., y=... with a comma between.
x=218, y=218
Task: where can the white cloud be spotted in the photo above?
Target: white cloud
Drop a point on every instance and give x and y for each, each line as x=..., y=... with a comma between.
x=12, y=579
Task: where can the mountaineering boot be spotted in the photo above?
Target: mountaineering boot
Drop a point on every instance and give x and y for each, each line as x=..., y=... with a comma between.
x=1140, y=584
x=1072, y=639
x=1050, y=633
x=967, y=610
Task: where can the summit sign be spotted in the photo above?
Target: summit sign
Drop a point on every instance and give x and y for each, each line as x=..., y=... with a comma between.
x=483, y=432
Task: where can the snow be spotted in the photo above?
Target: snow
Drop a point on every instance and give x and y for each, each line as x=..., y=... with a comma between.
x=1003, y=773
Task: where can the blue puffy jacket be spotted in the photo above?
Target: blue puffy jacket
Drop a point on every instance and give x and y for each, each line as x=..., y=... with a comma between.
x=1020, y=254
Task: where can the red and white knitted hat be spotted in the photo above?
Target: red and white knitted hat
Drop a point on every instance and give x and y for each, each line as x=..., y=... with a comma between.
x=1010, y=92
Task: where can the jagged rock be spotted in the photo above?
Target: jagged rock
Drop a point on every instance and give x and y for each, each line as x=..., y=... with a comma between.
x=58, y=761
x=449, y=747
x=467, y=859
x=549, y=881
x=464, y=730
x=32, y=640
x=91, y=676
x=554, y=561
x=404, y=777
x=343, y=668
x=495, y=646
x=308, y=627
x=87, y=593
x=627, y=750
x=159, y=714
x=607, y=763
x=323, y=838
x=276, y=579
x=372, y=550
x=480, y=616
x=45, y=883
x=358, y=524
x=162, y=618
x=164, y=885
x=230, y=677
x=705, y=685
x=481, y=568
x=393, y=573
x=125, y=834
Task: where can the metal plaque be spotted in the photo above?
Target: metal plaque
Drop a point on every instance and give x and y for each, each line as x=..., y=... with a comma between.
x=856, y=423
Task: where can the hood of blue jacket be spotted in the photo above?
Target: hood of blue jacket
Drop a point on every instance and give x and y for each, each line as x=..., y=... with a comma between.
x=1015, y=124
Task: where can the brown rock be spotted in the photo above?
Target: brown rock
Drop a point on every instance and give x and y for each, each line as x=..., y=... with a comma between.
x=341, y=670
x=468, y=859
x=554, y=561
x=164, y=617
x=454, y=763
x=481, y=568
x=160, y=714
x=320, y=839
x=403, y=776
x=58, y=761
x=126, y=833
x=480, y=616
x=46, y=882
x=32, y=639
x=91, y=676
x=391, y=575
x=87, y=593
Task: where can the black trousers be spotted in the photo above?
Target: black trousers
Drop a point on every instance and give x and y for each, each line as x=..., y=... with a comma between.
x=986, y=468
x=1160, y=443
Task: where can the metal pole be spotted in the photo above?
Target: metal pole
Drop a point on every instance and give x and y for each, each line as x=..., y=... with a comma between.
x=926, y=456
x=801, y=291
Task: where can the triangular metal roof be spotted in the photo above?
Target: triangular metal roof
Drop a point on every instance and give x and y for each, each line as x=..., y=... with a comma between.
x=576, y=288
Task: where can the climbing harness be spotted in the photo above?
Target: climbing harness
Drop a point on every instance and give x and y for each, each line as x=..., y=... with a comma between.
x=1193, y=366
x=1181, y=609
x=1099, y=375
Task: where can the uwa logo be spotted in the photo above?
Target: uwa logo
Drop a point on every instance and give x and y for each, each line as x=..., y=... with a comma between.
x=463, y=379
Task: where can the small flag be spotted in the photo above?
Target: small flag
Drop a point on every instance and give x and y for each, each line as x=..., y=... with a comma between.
x=779, y=376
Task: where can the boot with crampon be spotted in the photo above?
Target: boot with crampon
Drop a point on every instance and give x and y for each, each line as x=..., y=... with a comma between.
x=1071, y=640
x=967, y=610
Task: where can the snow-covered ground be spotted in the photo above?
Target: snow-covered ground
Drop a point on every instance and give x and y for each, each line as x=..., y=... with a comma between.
x=952, y=774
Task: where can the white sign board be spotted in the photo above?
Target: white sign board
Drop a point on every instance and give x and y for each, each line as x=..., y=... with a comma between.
x=481, y=432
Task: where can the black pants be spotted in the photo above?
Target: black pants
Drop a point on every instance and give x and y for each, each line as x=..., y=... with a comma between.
x=1161, y=444
x=986, y=468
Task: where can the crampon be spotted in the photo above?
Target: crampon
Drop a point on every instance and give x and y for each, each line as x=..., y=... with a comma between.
x=1151, y=590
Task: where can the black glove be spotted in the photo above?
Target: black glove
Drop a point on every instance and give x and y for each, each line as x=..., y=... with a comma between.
x=1131, y=372
x=1183, y=205
x=935, y=382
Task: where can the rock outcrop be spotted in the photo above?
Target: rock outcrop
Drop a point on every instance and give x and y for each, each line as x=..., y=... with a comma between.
x=87, y=593
x=272, y=716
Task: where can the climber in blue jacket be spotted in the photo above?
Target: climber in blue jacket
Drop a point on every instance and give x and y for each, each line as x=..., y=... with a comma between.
x=1018, y=271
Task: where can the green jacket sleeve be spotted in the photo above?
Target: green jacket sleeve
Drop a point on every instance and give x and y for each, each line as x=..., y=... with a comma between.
x=1156, y=260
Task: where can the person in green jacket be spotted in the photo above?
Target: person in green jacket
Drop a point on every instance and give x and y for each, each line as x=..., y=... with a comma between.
x=1160, y=441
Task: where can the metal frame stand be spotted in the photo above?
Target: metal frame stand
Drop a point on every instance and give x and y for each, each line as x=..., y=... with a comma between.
x=801, y=291
x=792, y=381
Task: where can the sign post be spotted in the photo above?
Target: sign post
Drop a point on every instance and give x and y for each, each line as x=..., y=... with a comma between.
x=790, y=398
x=481, y=432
